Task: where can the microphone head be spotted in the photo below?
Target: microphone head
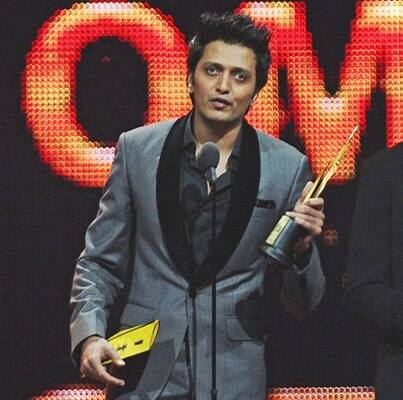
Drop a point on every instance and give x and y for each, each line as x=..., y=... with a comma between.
x=208, y=157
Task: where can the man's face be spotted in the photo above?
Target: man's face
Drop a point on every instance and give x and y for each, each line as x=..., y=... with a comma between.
x=223, y=83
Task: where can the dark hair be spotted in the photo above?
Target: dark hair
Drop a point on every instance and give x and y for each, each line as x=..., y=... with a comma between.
x=232, y=29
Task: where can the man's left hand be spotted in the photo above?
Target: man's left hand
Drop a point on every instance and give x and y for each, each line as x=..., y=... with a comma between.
x=309, y=215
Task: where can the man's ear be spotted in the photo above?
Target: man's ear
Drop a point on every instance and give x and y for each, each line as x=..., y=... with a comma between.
x=254, y=98
x=190, y=83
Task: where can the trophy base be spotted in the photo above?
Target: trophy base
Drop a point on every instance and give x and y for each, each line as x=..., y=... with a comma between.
x=279, y=246
x=276, y=255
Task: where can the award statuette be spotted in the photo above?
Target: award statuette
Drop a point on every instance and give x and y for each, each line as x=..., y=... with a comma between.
x=279, y=246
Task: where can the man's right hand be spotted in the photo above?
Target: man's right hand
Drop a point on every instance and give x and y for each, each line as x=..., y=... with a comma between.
x=94, y=351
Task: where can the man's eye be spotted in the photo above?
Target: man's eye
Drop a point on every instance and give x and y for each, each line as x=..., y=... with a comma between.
x=211, y=69
x=241, y=76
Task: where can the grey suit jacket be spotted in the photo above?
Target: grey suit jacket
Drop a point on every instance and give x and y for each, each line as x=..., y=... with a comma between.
x=139, y=232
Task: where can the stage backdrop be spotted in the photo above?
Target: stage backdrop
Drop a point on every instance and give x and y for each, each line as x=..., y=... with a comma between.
x=76, y=75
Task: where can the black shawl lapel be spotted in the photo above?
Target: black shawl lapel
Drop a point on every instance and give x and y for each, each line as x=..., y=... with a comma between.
x=243, y=200
x=169, y=209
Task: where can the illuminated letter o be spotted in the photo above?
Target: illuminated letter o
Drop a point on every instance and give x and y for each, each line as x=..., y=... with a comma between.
x=49, y=81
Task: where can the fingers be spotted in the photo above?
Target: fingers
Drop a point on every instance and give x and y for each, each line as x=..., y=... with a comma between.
x=316, y=202
x=95, y=370
x=309, y=217
x=309, y=214
x=306, y=190
x=91, y=362
x=114, y=356
x=312, y=222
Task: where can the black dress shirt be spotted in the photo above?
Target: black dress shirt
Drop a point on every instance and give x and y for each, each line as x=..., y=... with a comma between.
x=196, y=202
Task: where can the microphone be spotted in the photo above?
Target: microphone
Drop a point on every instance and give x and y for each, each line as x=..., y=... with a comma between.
x=207, y=160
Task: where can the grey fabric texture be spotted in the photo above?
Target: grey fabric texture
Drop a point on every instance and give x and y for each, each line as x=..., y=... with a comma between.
x=128, y=214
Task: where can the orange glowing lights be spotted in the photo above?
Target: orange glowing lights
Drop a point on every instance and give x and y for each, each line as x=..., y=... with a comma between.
x=323, y=121
x=372, y=59
x=50, y=75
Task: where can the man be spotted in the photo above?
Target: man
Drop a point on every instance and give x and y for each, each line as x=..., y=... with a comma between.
x=375, y=265
x=154, y=225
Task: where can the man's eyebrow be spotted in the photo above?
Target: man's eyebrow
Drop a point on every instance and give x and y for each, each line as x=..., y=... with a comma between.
x=234, y=69
x=215, y=64
x=239, y=69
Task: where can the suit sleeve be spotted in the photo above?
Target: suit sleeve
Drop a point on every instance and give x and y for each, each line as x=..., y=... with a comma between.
x=370, y=292
x=102, y=266
x=302, y=289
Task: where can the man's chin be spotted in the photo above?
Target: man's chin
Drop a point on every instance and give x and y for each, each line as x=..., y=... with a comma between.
x=222, y=120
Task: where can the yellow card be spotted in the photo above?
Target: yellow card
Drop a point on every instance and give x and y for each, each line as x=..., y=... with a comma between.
x=136, y=340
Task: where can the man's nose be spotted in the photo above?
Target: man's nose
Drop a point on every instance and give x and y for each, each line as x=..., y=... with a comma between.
x=223, y=84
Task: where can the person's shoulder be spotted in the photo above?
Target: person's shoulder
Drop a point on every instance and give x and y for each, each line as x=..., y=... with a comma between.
x=383, y=166
x=385, y=157
x=149, y=132
x=396, y=152
x=269, y=142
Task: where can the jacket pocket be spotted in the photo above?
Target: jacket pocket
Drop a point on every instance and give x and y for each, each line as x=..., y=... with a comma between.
x=134, y=314
x=244, y=329
x=265, y=213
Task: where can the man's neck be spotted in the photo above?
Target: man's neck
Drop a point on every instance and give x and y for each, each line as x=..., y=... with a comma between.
x=223, y=135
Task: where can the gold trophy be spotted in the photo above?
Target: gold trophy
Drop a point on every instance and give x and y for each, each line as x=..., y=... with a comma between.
x=279, y=246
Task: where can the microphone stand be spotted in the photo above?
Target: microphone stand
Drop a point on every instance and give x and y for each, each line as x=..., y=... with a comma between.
x=214, y=391
x=211, y=177
x=207, y=161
